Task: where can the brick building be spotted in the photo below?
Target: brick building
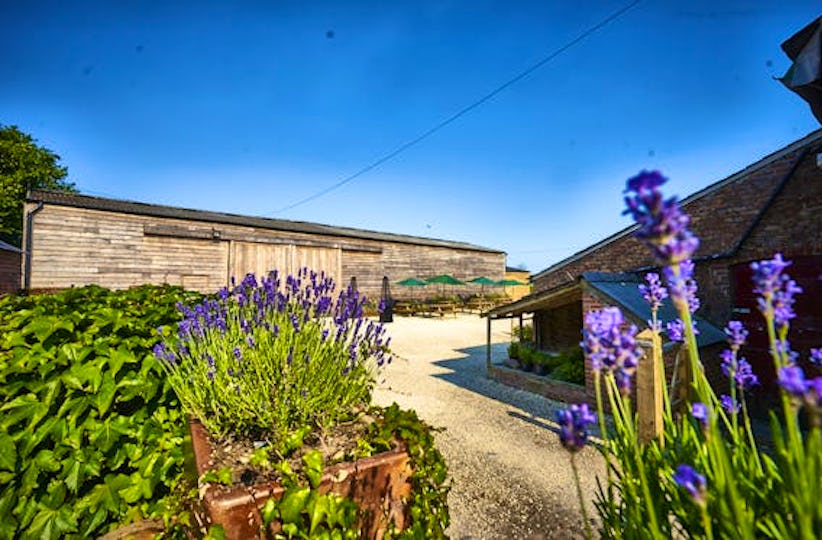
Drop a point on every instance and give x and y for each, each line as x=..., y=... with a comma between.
x=773, y=205
x=9, y=268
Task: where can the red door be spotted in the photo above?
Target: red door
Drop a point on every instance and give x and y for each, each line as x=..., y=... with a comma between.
x=805, y=331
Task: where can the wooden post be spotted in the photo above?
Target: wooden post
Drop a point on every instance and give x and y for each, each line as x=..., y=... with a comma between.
x=682, y=390
x=649, y=387
x=488, y=347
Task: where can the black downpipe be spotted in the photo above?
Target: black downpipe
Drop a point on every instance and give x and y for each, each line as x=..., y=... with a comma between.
x=29, y=243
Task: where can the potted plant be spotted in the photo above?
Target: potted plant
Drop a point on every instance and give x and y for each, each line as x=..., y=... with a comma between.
x=541, y=363
x=277, y=378
x=513, y=355
x=526, y=357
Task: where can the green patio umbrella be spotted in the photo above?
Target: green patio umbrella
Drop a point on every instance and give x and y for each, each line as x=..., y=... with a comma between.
x=443, y=280
x=412, y=282
x=483, y=281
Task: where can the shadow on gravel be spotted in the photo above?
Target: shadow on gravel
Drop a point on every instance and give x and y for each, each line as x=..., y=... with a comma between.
x=469, y=372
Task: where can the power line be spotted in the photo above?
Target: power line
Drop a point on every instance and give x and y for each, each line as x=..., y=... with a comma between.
x=413, y=142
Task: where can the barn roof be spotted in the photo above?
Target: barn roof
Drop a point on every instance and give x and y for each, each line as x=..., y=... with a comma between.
x=154, y=210
x=742, y=226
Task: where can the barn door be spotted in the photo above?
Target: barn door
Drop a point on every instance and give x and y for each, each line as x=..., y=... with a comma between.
x=326, y=260
x=259, y=258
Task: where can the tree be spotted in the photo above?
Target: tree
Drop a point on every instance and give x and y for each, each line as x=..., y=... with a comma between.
x=23, y=166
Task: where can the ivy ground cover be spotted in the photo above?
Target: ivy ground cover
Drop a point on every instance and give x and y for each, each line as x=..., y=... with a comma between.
x=90, y=434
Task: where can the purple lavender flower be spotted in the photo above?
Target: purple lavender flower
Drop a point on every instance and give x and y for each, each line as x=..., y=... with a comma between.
x=777, y=290
x=654, y=293
x=700, y=413
x=783, y=300
x=609, y=347
x=662, y=224
x=682, y=285
x=792, y=380
x=767, y=274
x=728, y=403
x=693, y=482
x=745, y=377
x=238, y=354
x=222, y=294
x=573, y=426
x=250, y=341
x=736, y=334
x=676, y=330
x=816, y=357
x=738, y=369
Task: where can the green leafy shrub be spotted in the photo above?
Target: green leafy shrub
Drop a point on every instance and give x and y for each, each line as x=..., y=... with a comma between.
x=569, y=366
x=526, y=357
x=572, y=372
x=524, y=333
x=90, y=435
x=513, y=350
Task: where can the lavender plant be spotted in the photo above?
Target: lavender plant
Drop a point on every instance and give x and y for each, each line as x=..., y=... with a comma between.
x=706, y=476
x=266, y=358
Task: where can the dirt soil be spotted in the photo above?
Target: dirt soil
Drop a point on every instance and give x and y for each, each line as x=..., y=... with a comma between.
x=511, y=477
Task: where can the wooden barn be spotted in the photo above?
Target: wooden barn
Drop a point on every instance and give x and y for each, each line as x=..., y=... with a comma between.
x=9, y=268
x=76, y=240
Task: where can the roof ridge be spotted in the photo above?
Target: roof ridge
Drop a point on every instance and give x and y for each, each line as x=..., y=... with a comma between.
x=136, y=207
x=807, y=140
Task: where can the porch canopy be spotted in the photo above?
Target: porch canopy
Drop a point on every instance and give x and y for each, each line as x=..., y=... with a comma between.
x=609, y=289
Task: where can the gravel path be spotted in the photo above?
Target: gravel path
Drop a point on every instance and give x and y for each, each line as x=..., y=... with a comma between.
x=511, y=478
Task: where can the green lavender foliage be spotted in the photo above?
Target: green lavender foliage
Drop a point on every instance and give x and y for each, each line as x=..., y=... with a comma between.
x=706, y=476
x=267, y=358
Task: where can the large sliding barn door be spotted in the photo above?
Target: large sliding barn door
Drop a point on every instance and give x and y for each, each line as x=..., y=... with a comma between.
x=326, y=260
x=260, y=258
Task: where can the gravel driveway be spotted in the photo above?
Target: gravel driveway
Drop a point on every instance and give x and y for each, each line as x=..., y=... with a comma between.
x=511, y=478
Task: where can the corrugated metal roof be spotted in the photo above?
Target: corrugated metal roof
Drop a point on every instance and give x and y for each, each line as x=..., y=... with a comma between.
x=144, y=209
x=8, y=247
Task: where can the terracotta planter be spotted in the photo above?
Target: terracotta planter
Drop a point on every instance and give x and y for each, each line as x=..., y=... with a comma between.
x=380, y=485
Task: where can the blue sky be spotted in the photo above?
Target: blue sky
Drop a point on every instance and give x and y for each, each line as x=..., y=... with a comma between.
x=250, y=107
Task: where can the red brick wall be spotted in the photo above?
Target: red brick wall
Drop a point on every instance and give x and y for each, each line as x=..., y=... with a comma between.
x=720, y=217
x=9, y=271
x=559, y=328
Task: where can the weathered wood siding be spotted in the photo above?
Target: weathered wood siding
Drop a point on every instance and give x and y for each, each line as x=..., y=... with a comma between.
x=74, y=246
